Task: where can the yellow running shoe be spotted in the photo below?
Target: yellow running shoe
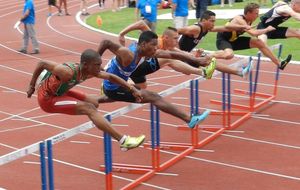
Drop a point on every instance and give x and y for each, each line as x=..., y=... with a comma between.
x=132, y=142
x=210, y=69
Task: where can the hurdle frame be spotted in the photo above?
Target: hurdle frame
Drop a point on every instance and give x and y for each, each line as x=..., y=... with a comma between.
x=186, y=148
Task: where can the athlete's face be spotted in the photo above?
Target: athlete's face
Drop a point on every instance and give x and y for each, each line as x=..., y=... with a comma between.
x=94, y=66
x=296, y=6
x=149, y=48
x=252, y=15
x=209, y=23
x=171, y=39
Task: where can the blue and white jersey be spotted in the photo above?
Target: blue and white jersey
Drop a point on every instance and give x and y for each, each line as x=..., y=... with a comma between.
x=123, y=72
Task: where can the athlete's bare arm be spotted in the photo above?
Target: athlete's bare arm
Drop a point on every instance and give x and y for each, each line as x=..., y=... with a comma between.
x=124, y=55
x=192, y=31
x=182, y=57
x=61, y=72
x=287, y=10
x=139, y=25
x=238, y=20
x=230, y=27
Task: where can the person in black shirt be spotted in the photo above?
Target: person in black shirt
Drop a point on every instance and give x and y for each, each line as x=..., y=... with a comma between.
x=278, y=14
x=230, y=41
x=192, y=35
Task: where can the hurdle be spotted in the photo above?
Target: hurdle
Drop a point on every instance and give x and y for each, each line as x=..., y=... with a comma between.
x=194, y=104
x=227, y=113
x=42, y=146
x=253, y=84
x=266, y=98
x=252, y=94
x=46, y=149
x=148, y=171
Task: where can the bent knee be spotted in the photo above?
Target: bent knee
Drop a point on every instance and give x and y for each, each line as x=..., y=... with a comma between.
x=228, y=54
x=258, y=43
x=86, y=108
x=141, y=85
x=152, y=96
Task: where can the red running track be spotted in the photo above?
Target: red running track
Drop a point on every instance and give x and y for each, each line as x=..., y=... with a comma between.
x=263, y=153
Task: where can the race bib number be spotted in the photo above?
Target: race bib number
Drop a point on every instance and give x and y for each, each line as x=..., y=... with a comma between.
x=148, y=9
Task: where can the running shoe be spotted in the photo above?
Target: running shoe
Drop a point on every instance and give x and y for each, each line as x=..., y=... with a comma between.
x=209, y=70
x=132, y=142
x=23, y=51
x=285, y=62
x=246, y=70
x=196, y=119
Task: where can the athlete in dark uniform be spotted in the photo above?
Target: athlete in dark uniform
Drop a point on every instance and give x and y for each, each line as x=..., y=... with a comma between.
x=168, y=41
x=230, y=41
x=278, y=14
x=56, y=96
x=192, y=36
x=189, y=42
x=127, y=60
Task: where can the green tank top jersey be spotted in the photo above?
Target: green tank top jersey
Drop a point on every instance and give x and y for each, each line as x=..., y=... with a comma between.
x=64, y=87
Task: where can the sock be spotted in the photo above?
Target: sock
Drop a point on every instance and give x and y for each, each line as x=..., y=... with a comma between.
x=122, y=140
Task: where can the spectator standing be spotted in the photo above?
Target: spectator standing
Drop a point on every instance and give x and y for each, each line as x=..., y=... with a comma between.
x=28, y=19
x=180, y=12
x=101, y=4
x=65, y=7
x=116, y=5
x=83, y=8
x=147, y=9
x=200, y=8
x=50, y=4
x=230, y=2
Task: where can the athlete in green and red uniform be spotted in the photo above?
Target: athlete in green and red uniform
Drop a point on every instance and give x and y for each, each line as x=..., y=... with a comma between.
x=55, y=94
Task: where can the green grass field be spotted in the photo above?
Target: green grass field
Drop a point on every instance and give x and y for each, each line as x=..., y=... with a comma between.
x=115, y=22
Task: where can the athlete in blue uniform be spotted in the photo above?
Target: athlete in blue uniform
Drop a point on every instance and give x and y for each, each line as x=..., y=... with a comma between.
x=168, y=41
x=127, y=60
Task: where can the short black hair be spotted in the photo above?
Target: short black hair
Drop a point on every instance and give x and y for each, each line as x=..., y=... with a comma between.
x=207, y=14
x=147, y=36
x=88, y=55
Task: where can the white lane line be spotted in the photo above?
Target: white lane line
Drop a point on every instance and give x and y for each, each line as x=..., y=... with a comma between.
x=45, y=115
x=227, y=135
x=234, y=131
x=51, y=125
x=166, y=174
x=119, y=125
x=179, y=98
x=20, y=128
x=80, y=142
x=281, y=101
x=239, y=167
x=9, y=91
x=278, y=120
x=260, y=115
x=17, y=115
x=30, y=162
x=204, y=150
x=91, y=170
x=261, y=141
x=234, y=95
